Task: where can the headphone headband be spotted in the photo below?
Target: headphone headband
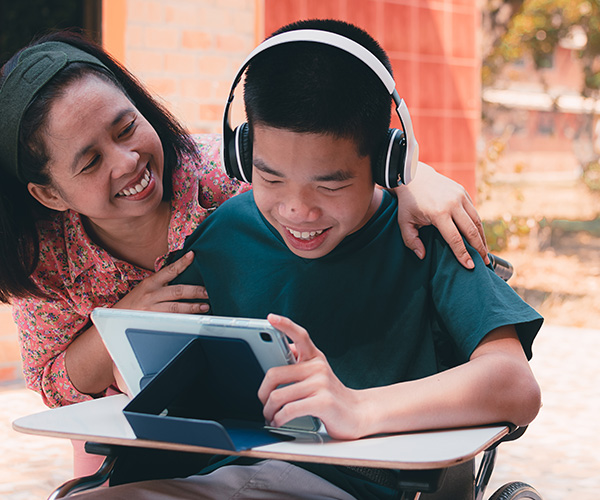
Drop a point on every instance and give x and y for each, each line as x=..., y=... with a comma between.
x=327, y=38
x=341, y=42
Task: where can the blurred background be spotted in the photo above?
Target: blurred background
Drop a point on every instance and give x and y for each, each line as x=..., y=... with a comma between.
x=504, y=99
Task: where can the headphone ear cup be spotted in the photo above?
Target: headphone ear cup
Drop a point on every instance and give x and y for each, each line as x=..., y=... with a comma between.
x=238, y=158
x=244, y=145
x=388, y=170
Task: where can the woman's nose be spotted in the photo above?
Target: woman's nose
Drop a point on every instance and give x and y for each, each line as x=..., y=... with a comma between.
x=124, y=162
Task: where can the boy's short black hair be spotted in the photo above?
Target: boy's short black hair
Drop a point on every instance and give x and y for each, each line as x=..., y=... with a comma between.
x=316, y=88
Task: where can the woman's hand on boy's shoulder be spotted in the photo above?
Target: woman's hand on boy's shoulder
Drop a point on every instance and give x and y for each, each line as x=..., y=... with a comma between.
x=432, y=198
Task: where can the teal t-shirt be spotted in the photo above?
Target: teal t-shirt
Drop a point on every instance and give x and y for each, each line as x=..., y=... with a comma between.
x=378, y=313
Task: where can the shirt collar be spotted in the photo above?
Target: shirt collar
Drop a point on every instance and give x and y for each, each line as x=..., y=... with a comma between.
x=82, y=252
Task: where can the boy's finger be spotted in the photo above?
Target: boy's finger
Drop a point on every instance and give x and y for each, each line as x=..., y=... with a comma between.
x=305, y=348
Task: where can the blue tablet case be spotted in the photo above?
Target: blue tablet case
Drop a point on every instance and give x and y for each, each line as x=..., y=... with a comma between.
x=205, y=396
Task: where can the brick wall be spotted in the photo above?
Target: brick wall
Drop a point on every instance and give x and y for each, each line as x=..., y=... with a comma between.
x=186, y=52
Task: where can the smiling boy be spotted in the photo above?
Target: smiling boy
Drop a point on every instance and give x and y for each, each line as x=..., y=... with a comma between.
x=318, y=244
x=316, y=241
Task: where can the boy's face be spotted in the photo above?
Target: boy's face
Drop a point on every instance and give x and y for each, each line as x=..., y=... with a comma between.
x=314, y=189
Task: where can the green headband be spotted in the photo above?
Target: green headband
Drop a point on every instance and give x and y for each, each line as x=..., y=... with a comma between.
x=35, y=67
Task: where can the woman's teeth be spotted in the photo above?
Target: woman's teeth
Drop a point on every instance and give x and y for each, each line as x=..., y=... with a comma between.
x=305, y=235
x=137, y=188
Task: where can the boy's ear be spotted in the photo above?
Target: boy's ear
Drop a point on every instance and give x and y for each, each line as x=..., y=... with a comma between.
x=47, y=196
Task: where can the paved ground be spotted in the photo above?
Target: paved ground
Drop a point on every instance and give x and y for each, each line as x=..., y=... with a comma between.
x=559, y=454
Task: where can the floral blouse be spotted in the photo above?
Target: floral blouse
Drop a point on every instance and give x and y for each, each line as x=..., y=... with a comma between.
x=78, y=275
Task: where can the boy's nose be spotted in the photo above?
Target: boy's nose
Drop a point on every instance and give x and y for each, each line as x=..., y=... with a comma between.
x=299, y=209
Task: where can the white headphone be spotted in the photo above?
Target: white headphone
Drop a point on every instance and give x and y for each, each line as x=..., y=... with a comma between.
x=398, y=162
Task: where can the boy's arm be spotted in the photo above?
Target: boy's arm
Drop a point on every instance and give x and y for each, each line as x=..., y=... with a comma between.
x=495, y=385
x=432, y=198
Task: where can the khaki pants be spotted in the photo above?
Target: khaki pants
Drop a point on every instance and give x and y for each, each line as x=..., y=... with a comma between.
x=267, y=480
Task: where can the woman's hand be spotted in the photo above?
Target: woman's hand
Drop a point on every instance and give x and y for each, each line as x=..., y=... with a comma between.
x=89, y=365
x=309, y=387
x=432, y=198
x=156, y=294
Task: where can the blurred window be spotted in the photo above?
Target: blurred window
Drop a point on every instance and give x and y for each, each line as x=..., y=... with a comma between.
x=22, y=20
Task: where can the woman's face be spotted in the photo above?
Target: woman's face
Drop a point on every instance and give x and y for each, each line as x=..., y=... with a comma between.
x=106, y=160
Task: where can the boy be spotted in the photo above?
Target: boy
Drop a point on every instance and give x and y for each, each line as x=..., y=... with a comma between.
x=317, y=243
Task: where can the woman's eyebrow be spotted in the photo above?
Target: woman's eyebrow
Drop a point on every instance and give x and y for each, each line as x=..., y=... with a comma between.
x=83, y=151
x=121, y=114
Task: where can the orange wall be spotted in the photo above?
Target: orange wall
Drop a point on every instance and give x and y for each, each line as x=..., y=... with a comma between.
x=434, y=49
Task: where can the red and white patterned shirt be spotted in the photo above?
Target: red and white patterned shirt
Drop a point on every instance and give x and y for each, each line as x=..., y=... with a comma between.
x=78, y=275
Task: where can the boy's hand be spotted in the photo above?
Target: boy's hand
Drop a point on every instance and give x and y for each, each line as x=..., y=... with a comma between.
x=309, y=387
x=432, y=198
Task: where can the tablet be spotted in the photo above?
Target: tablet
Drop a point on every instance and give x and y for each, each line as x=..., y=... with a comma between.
x=142, y=343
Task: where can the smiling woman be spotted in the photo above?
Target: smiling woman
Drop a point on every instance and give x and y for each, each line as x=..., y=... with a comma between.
x=95, y=172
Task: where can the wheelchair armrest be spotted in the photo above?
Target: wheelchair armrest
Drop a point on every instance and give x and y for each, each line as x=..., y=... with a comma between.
x=514, y=432
x=87, y=482
x=422, y=481
x=502, y=267
x=138, y=464
x=107, y=450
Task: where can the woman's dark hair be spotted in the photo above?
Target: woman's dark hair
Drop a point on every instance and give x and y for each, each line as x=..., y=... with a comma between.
x=311, y=87
x=19, y=211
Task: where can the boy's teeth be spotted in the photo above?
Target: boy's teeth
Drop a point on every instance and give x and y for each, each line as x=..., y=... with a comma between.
x=304, y=235
x=138, y=188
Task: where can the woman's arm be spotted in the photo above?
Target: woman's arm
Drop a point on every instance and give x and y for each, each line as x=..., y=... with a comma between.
x=64, y=358
x=89, y=365
x=46, y=328
x=434, y=199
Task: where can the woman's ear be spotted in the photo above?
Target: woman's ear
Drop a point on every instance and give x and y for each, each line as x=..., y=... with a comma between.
x=47, y=196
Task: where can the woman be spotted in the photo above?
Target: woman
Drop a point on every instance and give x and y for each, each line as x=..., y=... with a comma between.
x=100, y=183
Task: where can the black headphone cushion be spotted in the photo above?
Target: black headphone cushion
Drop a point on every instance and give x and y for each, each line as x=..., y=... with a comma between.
x=395, y=145
x=244, y=146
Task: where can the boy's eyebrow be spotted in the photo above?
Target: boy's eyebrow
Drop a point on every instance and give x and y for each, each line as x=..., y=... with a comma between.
x=263, y=167
x=83, y=151
x=337, y=176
